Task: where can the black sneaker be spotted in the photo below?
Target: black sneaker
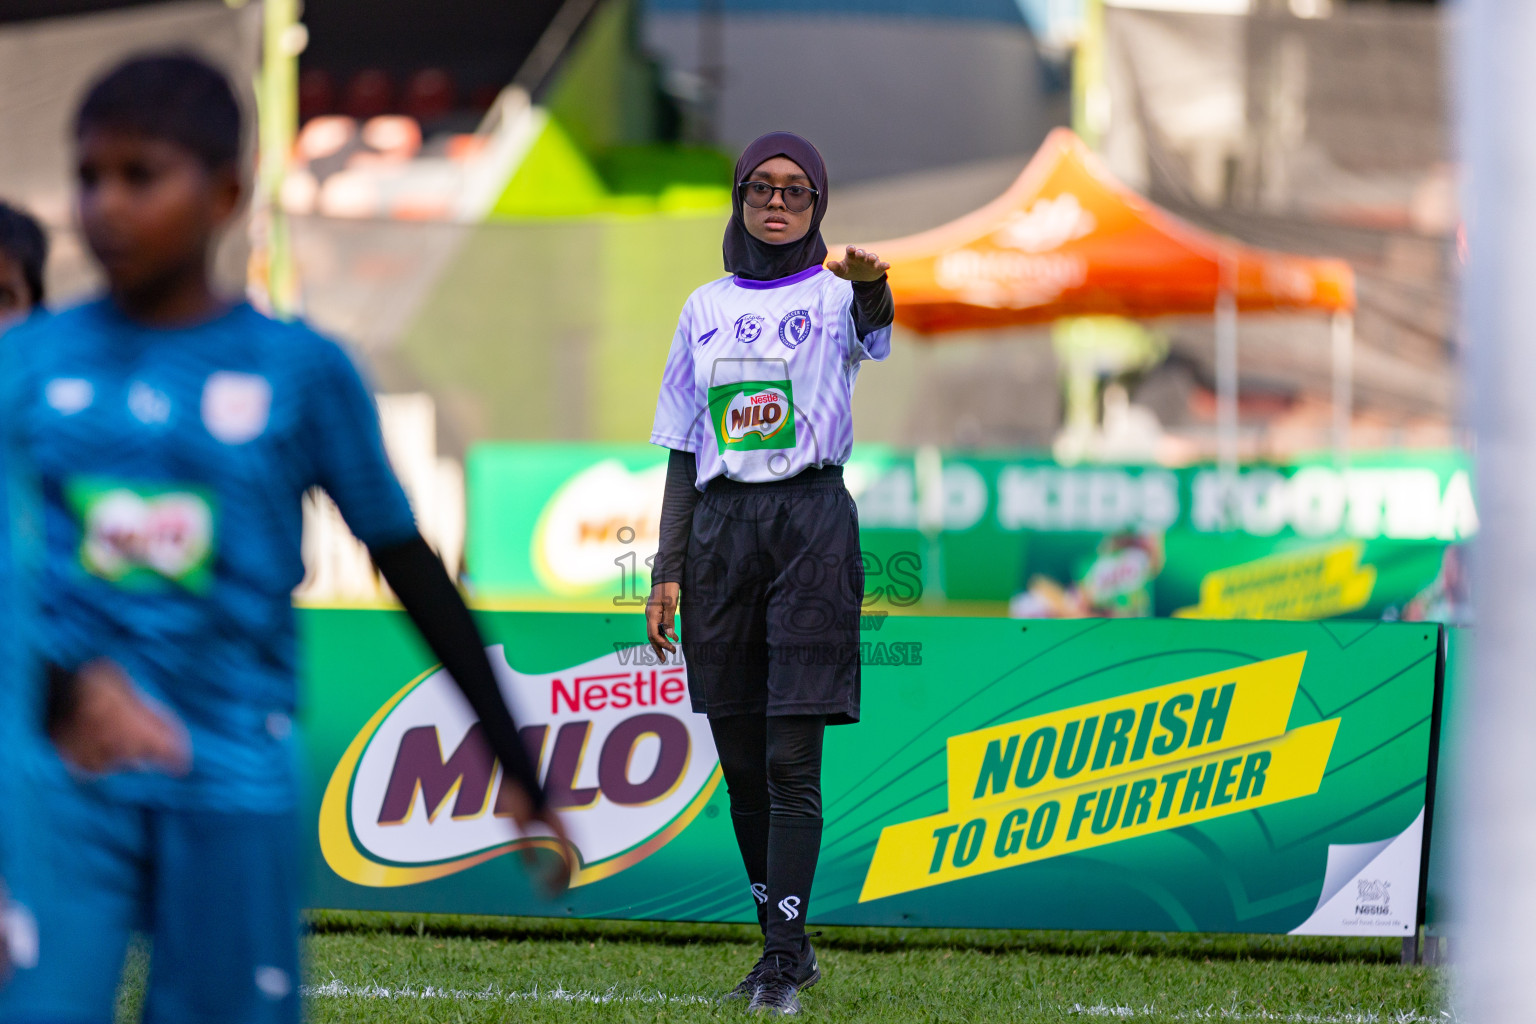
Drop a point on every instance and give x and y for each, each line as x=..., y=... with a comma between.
x=808, y=971
x=748, y=986
x=778, y=991
x=778, y=995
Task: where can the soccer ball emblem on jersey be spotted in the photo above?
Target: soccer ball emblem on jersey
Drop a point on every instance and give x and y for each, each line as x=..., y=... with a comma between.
x=795, y=328
x=749, y=327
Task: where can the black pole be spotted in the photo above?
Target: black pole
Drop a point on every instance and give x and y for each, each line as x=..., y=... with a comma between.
x=1436, y=715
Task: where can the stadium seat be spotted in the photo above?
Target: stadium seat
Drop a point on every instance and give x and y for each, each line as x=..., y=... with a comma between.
x=369, y=94
x=317, y=93
x=429, y=94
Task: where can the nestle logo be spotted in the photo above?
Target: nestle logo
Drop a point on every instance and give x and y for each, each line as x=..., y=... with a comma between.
x=1373, y=890
x=420, y=793
x=618, y=691
x=1374, y=895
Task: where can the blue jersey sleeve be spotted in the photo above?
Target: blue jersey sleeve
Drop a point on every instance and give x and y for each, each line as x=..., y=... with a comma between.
x=349, y=454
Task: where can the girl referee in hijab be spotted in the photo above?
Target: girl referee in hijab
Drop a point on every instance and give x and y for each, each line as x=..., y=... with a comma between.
x=758, y=532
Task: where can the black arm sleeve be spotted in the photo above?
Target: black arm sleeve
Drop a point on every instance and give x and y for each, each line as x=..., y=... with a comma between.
x=873, y=306
x=676, y=518
x=434, y=605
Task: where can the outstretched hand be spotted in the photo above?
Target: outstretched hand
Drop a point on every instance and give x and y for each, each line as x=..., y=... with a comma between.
x=859, y=265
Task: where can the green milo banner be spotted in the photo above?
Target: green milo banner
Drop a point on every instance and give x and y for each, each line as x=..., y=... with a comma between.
x=1380, y=539
x=570, y=521
x=1137, y=774
x=1306, y=540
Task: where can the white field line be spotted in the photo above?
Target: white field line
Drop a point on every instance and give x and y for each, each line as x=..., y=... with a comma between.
x=338, y=989
x=1362, y=1017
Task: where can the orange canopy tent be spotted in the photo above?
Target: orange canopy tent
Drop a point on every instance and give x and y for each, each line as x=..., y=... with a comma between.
x=1067, y=239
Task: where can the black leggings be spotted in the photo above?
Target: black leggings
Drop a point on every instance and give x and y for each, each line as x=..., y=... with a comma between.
x=772, y=768
x=771, y=765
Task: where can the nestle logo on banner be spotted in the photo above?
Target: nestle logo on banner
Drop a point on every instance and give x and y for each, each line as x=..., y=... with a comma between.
x=1374, y=896
x=420, y=795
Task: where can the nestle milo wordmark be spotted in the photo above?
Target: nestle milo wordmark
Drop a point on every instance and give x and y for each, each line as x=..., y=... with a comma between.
x=753, y=414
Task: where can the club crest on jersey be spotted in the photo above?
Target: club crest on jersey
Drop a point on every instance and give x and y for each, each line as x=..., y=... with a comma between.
x=419, y=795
x=795, y=328
x=749, y=327
x=236, y=406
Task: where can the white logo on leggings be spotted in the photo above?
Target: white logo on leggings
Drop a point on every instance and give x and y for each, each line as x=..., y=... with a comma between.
x=760, y=892
x=791, y=907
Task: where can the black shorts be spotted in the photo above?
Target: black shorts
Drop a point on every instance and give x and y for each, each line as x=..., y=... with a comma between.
x=770, y=599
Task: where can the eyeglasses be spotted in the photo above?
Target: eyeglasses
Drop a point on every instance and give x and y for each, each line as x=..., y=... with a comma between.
x=758, y=194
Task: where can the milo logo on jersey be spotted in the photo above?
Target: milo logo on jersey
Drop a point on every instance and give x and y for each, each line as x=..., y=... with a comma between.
x=752, y=415
x=419, y=795
x=143, y=537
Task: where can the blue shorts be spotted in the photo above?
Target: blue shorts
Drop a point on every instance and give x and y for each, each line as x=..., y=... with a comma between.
x=217, y=894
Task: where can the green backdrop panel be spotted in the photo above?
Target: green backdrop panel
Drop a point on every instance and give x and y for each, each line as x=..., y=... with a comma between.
x=1340, y=857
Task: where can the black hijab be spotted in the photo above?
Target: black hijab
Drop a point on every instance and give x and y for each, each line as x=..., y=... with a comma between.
x=754, y=259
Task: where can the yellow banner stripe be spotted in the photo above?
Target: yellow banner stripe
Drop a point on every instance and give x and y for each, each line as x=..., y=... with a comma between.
x=1312, y=584
x=1140, y=731
x=976, y=840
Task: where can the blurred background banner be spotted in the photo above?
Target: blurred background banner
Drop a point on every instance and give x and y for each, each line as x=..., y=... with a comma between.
x=574, y=525
x=578, y=523
x=1301, y=540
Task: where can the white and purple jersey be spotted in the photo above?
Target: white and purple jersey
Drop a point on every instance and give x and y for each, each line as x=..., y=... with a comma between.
x=759, y=380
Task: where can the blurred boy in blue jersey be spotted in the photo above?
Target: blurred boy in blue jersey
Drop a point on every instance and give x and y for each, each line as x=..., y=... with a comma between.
x=168, y=437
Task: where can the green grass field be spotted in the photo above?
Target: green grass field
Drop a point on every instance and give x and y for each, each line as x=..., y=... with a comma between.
x=405, y=968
